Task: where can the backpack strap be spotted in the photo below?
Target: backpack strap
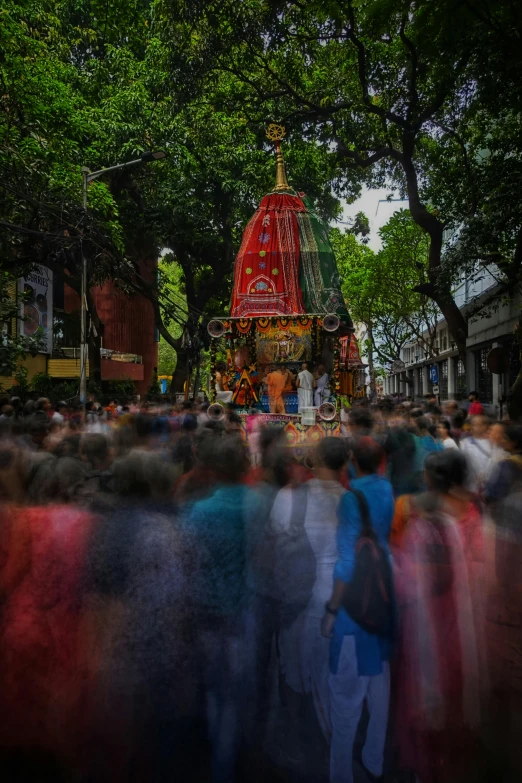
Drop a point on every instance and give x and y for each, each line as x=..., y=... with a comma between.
x=367, y=527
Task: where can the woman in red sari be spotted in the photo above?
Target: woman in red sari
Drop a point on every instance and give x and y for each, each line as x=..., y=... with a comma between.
x=42, y=551
x=439, y=682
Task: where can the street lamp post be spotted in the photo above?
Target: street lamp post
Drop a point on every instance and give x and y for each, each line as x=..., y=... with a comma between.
x=89, y=176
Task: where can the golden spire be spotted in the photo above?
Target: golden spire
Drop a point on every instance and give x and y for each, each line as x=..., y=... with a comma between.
x=275, y=133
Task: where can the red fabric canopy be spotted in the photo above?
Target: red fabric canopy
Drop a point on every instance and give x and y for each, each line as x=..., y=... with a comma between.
x=266, y=276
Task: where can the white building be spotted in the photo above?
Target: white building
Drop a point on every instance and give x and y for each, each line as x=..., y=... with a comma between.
x=486, y=330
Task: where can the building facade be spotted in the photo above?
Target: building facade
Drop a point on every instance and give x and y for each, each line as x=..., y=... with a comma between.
x=52, y=309
x=491, y=328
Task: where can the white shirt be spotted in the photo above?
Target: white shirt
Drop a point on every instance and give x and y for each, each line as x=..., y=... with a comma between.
x=449, y=443
x=306, y=380
x=479, y=453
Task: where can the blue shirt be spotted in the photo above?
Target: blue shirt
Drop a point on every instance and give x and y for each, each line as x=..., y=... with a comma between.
x=371, y=650
x=218, y=526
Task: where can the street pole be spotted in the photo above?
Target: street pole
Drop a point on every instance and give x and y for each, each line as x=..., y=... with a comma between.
x=83, y=304
x=89, y=176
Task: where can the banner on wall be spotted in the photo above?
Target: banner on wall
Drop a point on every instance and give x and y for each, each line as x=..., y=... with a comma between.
x=37, y=306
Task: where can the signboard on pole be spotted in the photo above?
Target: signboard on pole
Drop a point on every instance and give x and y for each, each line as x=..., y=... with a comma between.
x=434, y=374
x=37, y=306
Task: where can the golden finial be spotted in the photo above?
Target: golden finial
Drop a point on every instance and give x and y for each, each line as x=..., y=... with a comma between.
x=275, y=133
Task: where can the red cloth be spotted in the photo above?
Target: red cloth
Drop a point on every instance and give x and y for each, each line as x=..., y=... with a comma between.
x=40, y=680
x=266, y=272
x=476, y=409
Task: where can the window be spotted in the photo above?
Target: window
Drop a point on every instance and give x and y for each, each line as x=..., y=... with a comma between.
x=483, y=376
x=460, y=378
x=443, y=380
x=443, y=340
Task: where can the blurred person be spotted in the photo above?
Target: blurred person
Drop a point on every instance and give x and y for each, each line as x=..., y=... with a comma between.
x=322, y=391
x=497, y=438
x=43, y=405
x=476, y=408
x=254, y=428
x=218, y=529
x=404, y=458
x=305, y=388
x=427, y=435
x=438, y=569
x=276, y=380
x=97, y=489
x=478, y=450
x=444, y=433
x=503, y=496
x=41, y=679
x=142, y=709
x=324, y=494
x=60, y=414
x=199, y=480
x=359, y=661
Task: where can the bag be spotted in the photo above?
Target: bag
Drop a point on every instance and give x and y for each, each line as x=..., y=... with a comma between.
x=295, y=568
x=368, y=598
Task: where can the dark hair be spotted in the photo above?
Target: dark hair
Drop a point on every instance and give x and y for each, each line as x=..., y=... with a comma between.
x=331, y=452
x=368, y=455
x=142, y=426
x=95, y=448
x=445, y=469
x=473, y=394
x=444, y=423
x=423, y=423
x=514, y=434
x=230, y=459
x=359, y=417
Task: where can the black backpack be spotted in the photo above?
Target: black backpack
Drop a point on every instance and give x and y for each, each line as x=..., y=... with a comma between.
x=368, y=598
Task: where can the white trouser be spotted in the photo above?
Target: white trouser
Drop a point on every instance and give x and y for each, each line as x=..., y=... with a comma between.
x=347, y=694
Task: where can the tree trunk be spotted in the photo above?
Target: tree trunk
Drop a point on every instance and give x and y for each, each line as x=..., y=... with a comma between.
x=181, y=371
x=441, y=294
x=371, y=366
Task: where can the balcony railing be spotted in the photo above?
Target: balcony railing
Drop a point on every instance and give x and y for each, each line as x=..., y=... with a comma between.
x=105, y=353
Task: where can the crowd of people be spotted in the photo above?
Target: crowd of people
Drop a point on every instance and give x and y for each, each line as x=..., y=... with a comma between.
x=176, y=600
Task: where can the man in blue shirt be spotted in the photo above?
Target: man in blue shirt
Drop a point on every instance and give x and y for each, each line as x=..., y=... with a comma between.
x=359, y=668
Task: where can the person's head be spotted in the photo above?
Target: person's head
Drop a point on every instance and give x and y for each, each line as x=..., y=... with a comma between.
x=330, y=457
x=513, y=440
x=320, y=369
x=360, y=421
x=7, y=410
x=187, y=405
x=473, y=396
x=142, y=425
x=38, y=428
x=443, y=430
x=304, y=366
x=445, y=470
x=275, y=457
x=432, y=400
x=479, y=426
x=497, y=434
x=423, y=425
x=29, y=408
x=450, y=407
x=367, y=456
x=62, y=408
x=142, y=476
x=16, y=402
x=95, y=450
x=42, y=404
x=230, y=459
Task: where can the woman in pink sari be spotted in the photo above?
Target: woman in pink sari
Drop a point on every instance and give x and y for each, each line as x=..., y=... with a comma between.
x=439, y=682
